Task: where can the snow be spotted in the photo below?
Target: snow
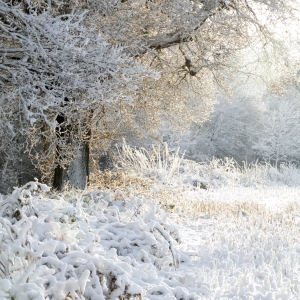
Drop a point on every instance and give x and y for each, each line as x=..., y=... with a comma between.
x=241, y=258
x=222, y=242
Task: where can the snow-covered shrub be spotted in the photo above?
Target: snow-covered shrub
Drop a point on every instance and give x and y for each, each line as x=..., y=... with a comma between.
x=227, y=172
x=98, y=245
x=168, y=176
x=206, y=188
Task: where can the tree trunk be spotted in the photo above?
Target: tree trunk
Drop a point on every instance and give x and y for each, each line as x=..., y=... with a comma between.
x=78, y=169
x=87, y=162
x=60, y=131
x=58, y=179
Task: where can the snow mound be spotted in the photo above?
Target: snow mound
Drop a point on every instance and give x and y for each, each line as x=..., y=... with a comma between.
x=98, y=245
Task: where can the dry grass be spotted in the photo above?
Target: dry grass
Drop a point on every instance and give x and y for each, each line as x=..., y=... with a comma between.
x=156, y=175
x=121, y=180
x=193, y=202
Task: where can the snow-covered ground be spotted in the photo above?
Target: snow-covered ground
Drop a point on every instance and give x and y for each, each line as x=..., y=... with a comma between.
x=203, y=238
x=245, y=256
x=111, y=245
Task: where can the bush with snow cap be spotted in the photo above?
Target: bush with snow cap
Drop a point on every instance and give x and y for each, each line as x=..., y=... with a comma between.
x=94, y=246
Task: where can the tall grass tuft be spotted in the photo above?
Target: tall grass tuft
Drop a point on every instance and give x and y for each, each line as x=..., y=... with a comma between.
x=160, y=162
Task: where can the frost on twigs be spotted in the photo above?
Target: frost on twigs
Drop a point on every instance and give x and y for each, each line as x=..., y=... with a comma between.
x=22, y=197
x=94, y=246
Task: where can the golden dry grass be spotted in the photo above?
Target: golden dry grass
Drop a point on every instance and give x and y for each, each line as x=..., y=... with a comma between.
x=191, y=202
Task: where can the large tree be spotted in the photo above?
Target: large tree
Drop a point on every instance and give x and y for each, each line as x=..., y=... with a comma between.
x=60, y=81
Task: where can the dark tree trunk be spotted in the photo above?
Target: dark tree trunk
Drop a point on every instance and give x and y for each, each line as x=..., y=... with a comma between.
x=61, y=131
x=87, y=155
x=87, y=162
x=58, y=179
x=78, y=171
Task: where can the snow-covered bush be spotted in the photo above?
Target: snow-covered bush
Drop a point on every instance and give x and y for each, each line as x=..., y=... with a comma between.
x=98, y=245
x=166, y=171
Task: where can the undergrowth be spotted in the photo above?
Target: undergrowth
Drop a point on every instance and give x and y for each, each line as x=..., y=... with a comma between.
x=193, y=189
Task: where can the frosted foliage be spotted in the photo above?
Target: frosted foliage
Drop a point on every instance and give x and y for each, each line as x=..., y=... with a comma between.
x=73, y=72
x=74, y=57
x=55, y=66
x=279, y=141
x=249, y=129
x=230, y=131
x=165, y=166
x=230, y=241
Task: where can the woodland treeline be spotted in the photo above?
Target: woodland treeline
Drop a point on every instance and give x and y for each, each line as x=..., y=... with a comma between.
x=217, y=77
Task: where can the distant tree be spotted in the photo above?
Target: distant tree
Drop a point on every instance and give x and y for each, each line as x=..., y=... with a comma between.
x=230, y=131
x=249, y=129
x=279, y=141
